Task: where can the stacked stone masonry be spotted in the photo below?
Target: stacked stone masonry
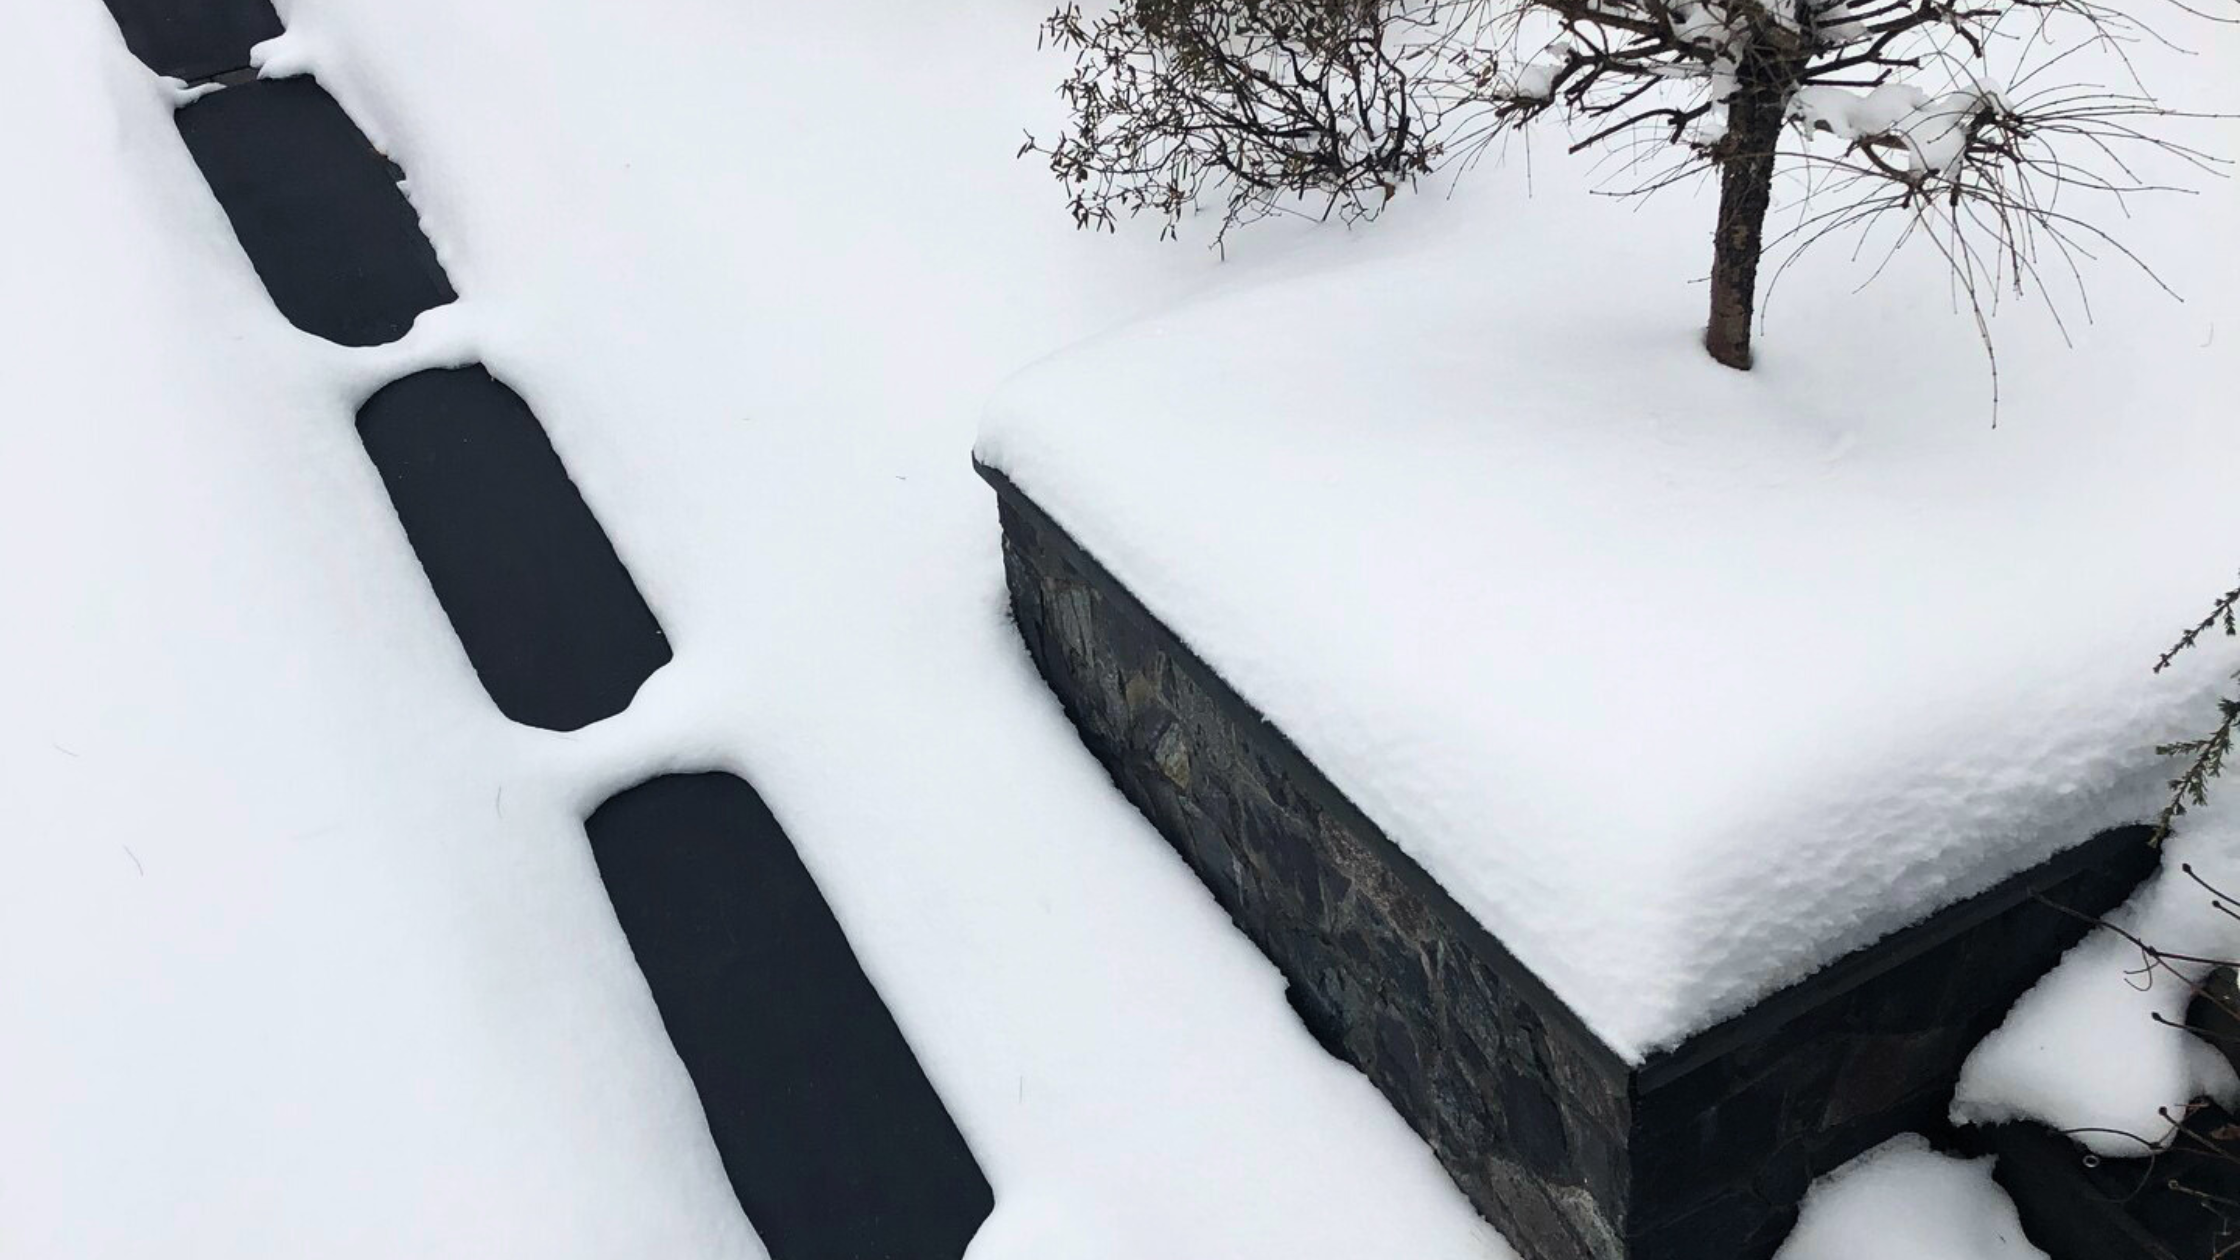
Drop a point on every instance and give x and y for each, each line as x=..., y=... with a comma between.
x=1575, y=1154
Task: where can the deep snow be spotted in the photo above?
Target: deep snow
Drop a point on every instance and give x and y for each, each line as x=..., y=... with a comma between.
x=1904, y=1201
x=302, y=951
x=1683, y=681
x=2096, y=1046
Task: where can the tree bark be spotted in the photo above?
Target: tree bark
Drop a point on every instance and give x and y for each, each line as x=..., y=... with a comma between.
x=1746, y=157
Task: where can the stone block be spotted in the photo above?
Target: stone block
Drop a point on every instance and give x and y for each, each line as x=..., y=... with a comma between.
x=1704, y=1150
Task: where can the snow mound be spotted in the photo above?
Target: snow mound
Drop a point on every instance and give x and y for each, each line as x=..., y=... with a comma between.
x=1683, y=681
x=1903, y=1201
x=2085, y=1049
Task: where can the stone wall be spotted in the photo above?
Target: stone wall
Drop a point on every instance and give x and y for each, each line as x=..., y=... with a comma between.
x=1574, y=1154
x=1522, y=1104
x=1730, y=1127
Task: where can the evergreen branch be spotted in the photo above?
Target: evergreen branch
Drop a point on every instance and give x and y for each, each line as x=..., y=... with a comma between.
x=2207, y=753
x=2191, y=787
x=2225, y=612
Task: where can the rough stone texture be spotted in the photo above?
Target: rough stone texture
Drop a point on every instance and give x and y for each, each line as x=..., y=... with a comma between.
x=1704, y=1151
x=1733, y=1125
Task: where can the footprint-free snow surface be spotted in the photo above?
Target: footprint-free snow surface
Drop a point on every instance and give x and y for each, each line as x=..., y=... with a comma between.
x=316, y=208
x=547, y=613
x=836, y=1145
x=194, y=40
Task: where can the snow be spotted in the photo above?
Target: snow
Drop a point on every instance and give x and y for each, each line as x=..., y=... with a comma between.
x=1851, y=114
x=1534, y=81
x=1708, y=24
x=1933, y=131
x=302, y=951
x=1904, y=1201
x=2083, y=1050
x=1683, y=681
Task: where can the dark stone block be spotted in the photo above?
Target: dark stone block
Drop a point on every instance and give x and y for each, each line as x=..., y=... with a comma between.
x=2067, y=1211
x=835, y=1142
x=2179, y=1203
x=1703, y=1150
x=1533, y=1123
x=1668, y=1165
x=316, y=208
x=1317, y=1008
x=1738, y=1222
x=2214, y=1012
x=195, y=40
x=547, y=613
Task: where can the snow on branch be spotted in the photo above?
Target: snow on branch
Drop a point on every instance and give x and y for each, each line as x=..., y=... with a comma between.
x=1260, y=103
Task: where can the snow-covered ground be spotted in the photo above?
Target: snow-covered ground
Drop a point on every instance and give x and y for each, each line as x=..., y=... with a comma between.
x=1683, y=681
x=301, y=948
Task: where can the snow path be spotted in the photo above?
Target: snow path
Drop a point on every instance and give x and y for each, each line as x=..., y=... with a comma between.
x=831, y=1136
x=302, y=944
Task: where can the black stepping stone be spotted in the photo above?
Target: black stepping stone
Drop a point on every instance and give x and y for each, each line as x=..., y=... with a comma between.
x=195, y=40
x=316, y=208
x=835, y=1142
x=547, y=613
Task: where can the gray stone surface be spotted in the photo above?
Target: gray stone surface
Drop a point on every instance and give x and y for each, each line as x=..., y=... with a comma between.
x=1529, y=1114
x=1702, y=1153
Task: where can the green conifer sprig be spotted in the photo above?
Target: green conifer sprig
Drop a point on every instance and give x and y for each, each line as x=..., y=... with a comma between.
x=2208, y=753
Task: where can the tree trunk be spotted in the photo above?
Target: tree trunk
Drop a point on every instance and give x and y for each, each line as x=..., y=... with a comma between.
x=1746, y=155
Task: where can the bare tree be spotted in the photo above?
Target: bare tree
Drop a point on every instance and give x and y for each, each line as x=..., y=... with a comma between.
x=1909, y=93
x=1887, y=106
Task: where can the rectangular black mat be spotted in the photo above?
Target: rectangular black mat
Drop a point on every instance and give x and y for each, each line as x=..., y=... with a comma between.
x=545, y=609
x=194, y=40
x=316, y=208
x=835, y=1142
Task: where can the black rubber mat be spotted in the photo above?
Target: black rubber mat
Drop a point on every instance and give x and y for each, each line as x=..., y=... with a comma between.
x=316, y=208
x=195, y=40
x=835, y=1142
x=544, y=607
